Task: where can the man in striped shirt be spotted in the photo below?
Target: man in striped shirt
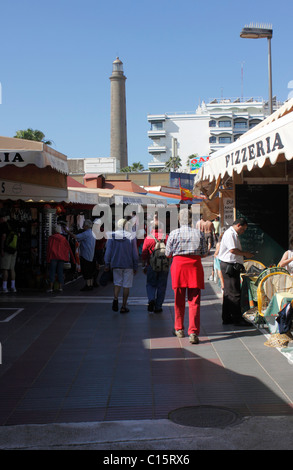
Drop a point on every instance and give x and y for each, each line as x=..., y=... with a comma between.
x=187, y=246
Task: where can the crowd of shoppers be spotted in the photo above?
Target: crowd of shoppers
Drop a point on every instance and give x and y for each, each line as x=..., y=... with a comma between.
x=179, y=252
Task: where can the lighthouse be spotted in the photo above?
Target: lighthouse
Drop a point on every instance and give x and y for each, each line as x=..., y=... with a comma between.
x=118, y=115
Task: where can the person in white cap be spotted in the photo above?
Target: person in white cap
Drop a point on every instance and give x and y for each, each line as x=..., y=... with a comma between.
x=122, y=256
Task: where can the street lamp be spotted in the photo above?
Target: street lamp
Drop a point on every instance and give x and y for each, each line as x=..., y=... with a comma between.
x=257, y=32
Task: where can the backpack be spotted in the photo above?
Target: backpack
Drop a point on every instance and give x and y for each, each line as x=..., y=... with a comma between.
x=11, y=242
x=158, y=260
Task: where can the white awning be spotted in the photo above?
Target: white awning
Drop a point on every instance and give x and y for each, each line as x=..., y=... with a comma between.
x=111, y=196
x=82, y=197
x=21, y=158
x=20, y=152
x=16, y=190
x=263, y=144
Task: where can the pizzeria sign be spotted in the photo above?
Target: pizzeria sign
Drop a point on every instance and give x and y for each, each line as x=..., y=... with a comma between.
x=261, y=148
x=37, y=158
x=251, y=150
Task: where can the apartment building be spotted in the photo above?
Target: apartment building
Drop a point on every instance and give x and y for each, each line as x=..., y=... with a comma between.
x=212, y=126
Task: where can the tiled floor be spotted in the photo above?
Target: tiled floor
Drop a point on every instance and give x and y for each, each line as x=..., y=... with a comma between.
x=70, y=358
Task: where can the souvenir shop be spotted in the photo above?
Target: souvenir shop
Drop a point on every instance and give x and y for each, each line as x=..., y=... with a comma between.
x=34, y=222
x=34, y=194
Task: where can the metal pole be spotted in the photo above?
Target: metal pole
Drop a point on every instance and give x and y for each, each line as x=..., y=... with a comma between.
x=270, y=77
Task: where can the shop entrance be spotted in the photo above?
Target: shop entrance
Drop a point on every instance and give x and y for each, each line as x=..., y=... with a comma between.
x=265, y=207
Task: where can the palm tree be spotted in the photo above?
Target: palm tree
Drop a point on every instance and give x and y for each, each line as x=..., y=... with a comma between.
x=126, y=169
x=174, y=163
x=30, y=134
x=137, y=167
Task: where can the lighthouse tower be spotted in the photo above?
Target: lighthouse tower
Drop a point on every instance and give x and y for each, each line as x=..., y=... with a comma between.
x=118, y=115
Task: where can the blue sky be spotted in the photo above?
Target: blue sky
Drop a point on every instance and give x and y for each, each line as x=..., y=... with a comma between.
x=56, y=59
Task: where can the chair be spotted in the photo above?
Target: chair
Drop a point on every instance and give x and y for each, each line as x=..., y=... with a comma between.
x=271, y=284
x=265, y=272
x=251, y=262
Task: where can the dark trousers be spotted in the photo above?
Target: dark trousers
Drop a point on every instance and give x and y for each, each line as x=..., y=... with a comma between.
x=231, y=308
x=156, y=285
x=87, y=268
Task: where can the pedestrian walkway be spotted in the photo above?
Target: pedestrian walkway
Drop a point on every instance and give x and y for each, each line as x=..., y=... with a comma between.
x=68, y=358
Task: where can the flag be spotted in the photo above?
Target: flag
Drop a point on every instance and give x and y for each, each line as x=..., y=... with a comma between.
x=185, y=194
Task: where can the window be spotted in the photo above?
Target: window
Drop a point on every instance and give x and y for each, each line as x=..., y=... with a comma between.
x=224, y=123
x=213, y=139
x=224, y=140
x=254, y=123
x=240, y=125
x=212, y=123
x=156, y=126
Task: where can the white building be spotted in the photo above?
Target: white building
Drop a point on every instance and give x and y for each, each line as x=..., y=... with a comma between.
x=210, y=128
x=98, y=165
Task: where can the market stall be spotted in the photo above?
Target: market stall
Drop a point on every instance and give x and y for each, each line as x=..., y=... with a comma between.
x=33, y=184
x=254, y=178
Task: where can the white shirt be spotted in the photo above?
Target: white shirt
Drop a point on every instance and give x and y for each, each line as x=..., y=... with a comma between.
x=230, y=241
x=290, y=265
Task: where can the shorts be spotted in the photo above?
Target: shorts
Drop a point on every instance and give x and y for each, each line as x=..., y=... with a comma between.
x=209, y=238
x=8, y=261
x=123, y=277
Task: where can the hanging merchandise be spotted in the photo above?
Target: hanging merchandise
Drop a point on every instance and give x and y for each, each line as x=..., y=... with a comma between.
x=77, y=258
x=60, y=210
x=80, y=220
x=49, y=218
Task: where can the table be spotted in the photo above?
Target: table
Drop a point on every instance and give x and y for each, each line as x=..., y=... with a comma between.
x=278, y=301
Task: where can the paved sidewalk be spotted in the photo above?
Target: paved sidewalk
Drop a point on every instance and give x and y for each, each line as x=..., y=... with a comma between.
x=75, y=374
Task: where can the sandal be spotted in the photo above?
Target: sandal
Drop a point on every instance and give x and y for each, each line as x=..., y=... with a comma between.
x=124, y=310
x=115, y=305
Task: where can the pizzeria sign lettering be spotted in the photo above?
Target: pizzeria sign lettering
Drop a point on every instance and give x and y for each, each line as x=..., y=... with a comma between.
x=41, y=159
x=260, y=148
x=8, y=157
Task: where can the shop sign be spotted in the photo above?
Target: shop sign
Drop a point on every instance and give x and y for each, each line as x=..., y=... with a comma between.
x=8, y=157
x=228, y=206
x=255, y=150
x=196, y=163
x=16, y=189
x=40, y=159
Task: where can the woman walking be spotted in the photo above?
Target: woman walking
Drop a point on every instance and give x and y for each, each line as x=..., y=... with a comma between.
x=58, y=252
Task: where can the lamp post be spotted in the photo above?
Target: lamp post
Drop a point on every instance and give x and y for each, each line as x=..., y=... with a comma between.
x=257, y=32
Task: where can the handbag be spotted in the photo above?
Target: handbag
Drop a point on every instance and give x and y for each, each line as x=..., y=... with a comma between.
x=239, y=267
x=229, y=269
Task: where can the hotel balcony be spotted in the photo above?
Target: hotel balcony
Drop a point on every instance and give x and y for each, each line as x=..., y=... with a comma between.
x=156, y=117
x=157, y=149
x=156, y=133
